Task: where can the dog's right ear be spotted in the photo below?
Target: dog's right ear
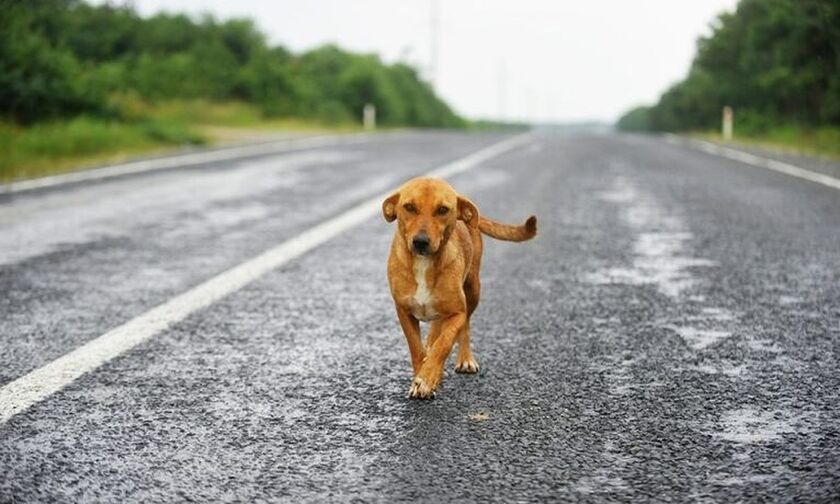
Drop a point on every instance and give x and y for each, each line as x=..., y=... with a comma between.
x=389, y=207
x=468, y=212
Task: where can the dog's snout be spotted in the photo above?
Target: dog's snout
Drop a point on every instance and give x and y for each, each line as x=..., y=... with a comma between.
x=421, y=243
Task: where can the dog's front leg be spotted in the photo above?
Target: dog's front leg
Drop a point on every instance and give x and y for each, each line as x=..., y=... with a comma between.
x=411, y=328
x=434, y=334
x=427, y=380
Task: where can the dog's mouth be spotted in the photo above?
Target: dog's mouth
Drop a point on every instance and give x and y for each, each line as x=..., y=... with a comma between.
x=421, y=249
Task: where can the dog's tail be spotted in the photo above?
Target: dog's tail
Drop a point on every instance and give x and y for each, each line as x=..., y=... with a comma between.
x=507, y=232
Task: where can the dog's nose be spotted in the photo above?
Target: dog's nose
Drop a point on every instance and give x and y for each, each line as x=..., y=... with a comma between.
x=421, y=243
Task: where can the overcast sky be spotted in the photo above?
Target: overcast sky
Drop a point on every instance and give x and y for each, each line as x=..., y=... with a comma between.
x=543, y=60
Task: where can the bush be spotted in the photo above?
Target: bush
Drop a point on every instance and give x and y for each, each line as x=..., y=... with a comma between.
x=61, y=58
x=38, y=81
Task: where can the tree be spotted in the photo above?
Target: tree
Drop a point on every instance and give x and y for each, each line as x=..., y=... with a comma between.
x=774, y=61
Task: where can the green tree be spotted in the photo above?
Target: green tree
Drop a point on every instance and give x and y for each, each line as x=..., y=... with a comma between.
x=637, y=119
x=60, y=58
x=774, y=61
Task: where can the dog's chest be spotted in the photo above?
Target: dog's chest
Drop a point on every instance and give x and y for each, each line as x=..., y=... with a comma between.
x=422, y=303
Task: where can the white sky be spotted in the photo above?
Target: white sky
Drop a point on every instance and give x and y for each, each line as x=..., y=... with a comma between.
x=538, y=60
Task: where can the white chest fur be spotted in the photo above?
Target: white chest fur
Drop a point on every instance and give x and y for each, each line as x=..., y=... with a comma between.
x=422, y=306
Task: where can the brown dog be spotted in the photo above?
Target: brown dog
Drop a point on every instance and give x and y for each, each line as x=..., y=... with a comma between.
x=433, y=272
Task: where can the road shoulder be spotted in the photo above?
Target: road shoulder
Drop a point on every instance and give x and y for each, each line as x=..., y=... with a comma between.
x=182, y=158
x=820, y=170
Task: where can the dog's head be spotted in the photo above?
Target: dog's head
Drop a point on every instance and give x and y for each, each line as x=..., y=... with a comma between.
x=426, y=210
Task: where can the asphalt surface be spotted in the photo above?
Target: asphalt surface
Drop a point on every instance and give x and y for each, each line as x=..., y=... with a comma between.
x=672, y=334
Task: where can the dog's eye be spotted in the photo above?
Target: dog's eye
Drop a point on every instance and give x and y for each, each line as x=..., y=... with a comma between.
x=410, y=208
x=442, y=210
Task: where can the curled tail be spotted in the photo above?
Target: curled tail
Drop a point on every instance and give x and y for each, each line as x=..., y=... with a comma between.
x=507, y=232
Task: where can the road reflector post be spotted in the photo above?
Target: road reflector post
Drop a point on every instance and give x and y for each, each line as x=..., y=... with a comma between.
x=727, y=123
x=369, y=116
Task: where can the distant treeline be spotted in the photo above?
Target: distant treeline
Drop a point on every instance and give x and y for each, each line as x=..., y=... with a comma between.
x=776, y=62
x=61, y=58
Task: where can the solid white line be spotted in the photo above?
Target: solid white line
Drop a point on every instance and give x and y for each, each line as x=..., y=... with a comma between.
x=751, y=159
x=33, y=387
x=180, y=160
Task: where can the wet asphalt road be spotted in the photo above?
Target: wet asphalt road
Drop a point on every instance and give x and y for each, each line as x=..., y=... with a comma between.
x=673, y=334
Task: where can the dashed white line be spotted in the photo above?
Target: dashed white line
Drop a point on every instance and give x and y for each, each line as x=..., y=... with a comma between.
x=35, y=386
x=751, y=159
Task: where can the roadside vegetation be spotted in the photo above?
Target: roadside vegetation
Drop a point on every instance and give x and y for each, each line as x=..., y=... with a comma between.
x=824, y=142
x=82, y=83
x=776, y=63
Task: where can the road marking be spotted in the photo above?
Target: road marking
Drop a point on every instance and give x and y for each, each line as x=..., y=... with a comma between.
x=751, y=159
x=39, y=384
x=180, y=161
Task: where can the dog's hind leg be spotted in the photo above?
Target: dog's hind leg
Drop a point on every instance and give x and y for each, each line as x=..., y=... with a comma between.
x=465, y=362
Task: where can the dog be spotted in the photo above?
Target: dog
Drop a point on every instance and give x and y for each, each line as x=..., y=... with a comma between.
x=433, y=272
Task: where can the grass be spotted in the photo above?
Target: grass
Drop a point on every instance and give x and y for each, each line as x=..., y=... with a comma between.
x=55, y=147
x=61, y=146
x=818, y=141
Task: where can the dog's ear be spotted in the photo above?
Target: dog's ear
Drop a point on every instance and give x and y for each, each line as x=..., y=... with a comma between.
x=467, y=211
x=389, y=207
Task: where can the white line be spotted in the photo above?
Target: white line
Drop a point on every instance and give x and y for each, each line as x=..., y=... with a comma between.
x=179, y=161
x=35, y=386
x=750, y=159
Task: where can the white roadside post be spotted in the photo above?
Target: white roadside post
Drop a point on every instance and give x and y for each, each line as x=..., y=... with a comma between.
x=369, y=116
x=727, y=123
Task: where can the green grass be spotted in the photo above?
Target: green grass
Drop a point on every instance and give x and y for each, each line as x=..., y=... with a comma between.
x=206, y=115
x=817, y=141
x=62, y=146
x=55, y=147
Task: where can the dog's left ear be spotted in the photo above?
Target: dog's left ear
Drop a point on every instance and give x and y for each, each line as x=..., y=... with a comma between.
x=468, y=212
x=389, y=207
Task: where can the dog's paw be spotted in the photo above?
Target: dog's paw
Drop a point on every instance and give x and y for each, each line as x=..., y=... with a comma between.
x=469, y=366
x=420, y=389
